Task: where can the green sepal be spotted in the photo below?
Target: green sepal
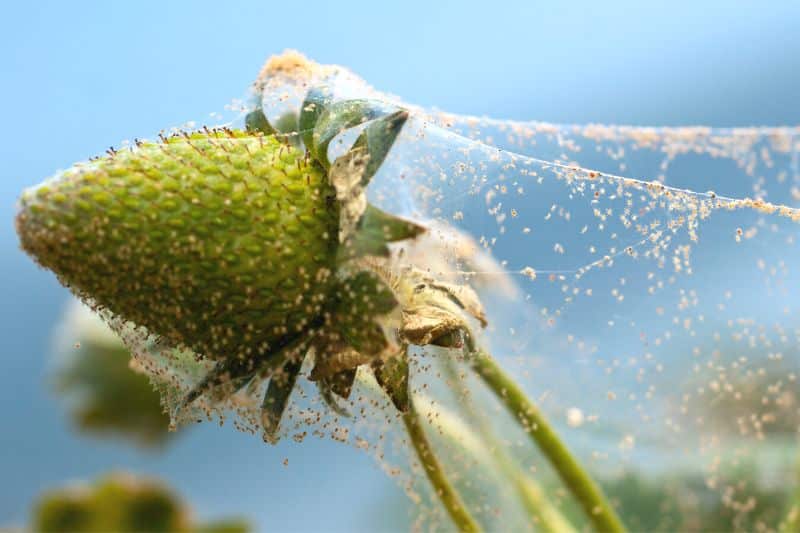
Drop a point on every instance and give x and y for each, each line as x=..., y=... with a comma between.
x=351, y=173
x=340, y=116
x=277, y=398
x=359, y=299
x=342, y=382
x=287, y=127
x=392, y=376
x=334, y=359
x=367, y=338
x=316, y=101
x=364, y=295
x=339, y=384
x=230, y=373
x=378, y=139
x=375, y=229
x=330, y=399
x=234, y=373
x=287, y=123
x=256, y=121
x=370, y=149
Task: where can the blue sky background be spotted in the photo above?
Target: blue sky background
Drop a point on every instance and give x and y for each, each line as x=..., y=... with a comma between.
x=79, y=77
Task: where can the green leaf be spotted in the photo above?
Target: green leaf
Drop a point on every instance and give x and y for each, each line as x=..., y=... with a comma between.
x=340, y=116
x=256, y=121
x=392, y=376
x=317, y=100
x=277, y=398
x=377, y=228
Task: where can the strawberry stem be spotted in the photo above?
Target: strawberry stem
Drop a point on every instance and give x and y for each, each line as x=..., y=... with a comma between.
x=433, y=470
x=540, y=509
x=792, y=520
x=575, y=477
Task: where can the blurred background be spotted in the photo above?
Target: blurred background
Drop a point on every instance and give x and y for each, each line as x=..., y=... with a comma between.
x=79, y=77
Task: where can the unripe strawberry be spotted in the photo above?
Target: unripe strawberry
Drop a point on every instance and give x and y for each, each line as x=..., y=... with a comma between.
x=242, y=247
x=223, y=242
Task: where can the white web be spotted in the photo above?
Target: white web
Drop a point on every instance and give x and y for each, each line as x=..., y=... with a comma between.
x=653, y=318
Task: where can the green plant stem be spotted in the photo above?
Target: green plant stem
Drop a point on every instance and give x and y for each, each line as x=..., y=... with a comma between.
x=791, y=522
x=586, y=491
x=433, y=470
x=536, y=503
x=547, y=518
x=550, y=519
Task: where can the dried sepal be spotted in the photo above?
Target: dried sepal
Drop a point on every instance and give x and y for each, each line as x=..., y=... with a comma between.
x=332, y=358
x=465, y=297
x=434, y=312
x=425, y=325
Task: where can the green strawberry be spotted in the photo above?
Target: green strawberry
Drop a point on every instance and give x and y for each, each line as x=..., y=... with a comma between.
x=244, y=247
x=222, y=242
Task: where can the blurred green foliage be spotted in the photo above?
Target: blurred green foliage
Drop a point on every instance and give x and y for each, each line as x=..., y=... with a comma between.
x=687, y=502
x=121, y=503
x=97, y=378
x=760, y=401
